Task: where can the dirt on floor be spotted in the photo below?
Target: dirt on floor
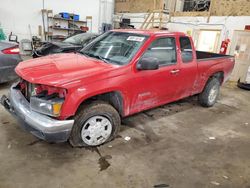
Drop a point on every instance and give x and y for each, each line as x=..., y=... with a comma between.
x=180, y=145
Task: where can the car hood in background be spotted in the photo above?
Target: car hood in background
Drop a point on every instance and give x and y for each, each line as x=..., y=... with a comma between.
x=63, y=70
x=58, y=45
x=66, y=45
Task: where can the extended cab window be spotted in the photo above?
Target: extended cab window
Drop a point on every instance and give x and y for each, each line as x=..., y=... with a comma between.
x=186, y=49
x=164, y=50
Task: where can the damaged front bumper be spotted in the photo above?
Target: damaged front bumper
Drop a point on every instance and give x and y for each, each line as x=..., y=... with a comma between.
x=39, y=125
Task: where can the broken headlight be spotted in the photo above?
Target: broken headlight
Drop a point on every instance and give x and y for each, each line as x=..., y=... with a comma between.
x=51, y=107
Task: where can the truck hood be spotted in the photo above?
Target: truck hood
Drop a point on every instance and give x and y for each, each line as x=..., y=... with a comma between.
x=62, y=70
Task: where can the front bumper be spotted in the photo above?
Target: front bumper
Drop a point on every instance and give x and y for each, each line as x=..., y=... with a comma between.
x=39, y=125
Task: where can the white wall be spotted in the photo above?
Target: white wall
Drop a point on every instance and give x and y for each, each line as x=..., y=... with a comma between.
x=107, y=9
x=227, y=24
x=135, y=18
x=17, y=15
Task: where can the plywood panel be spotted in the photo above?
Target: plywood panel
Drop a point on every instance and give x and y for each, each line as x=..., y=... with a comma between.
x=204, y=13
x=218, y=7
x=122, y=6
x=136, y=6
x=230, y=8
x=223, y=8
x=141, y=6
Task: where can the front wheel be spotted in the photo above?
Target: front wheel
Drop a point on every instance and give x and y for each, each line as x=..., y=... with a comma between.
x=210, y=93
x=95, y=124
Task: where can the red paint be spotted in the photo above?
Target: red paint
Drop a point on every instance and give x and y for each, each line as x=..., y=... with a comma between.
x=247, y=27
x=224, y=46
x=85, y=77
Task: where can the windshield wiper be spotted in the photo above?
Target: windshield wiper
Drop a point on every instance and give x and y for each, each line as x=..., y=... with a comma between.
x=84, y=53
x=103, y=59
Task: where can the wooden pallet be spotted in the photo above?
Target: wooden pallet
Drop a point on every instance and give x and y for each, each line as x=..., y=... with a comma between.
x=157, y=17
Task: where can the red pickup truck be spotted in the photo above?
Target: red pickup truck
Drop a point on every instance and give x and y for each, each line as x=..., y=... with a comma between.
x=81, y=97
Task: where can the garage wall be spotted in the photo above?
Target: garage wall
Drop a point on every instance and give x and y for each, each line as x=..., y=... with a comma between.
x=224, y=23
x=16, y=15
x=227, y=24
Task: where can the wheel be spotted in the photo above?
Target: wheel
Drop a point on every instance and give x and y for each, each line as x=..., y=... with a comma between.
x=95, y=124
x=210, y=93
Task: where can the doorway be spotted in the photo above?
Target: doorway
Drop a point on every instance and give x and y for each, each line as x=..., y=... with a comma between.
x=207, y=40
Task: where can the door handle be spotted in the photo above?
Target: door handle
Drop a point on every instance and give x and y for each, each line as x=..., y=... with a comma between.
x=175, y=71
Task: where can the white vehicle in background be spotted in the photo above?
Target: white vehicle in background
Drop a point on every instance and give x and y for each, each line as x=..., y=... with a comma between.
x=244, y=81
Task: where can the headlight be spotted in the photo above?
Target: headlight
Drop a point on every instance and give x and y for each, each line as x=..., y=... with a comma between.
x=51, y=107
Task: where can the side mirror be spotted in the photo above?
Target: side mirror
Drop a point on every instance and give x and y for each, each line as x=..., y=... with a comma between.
x=148, y=63
x=13, y=38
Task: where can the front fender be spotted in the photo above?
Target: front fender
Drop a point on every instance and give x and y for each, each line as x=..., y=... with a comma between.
x=77, y=96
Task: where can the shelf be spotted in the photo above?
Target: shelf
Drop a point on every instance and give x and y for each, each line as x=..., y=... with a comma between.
x=53, y=30
x=66, y=29
x=64, y=19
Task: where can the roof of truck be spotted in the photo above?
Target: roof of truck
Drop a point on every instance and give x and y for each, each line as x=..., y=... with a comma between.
x=149, y=32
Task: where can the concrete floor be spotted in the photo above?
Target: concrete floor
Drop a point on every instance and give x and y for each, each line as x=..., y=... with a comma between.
x=180, y=145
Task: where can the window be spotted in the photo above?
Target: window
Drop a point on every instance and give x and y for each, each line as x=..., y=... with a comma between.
x=164, y=50
x=186, y=49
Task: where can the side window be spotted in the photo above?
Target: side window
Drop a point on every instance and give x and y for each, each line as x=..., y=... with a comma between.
x=164, y=50
x=186, y=49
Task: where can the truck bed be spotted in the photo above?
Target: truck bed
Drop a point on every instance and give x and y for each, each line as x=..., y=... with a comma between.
x=208, y=55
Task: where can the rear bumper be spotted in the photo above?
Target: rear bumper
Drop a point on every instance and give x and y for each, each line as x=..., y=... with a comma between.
x=39, y=125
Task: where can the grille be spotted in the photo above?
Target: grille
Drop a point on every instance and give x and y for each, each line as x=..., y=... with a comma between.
x=27, y=89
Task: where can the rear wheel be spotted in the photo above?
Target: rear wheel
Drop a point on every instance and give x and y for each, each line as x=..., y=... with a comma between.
x=95, y=124
x=210, y=93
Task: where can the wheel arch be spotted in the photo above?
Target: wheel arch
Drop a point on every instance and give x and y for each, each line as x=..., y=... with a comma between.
x=114, y=98
x=219, y=75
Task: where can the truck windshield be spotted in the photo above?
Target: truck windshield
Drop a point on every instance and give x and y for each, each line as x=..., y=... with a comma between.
x=115, y=47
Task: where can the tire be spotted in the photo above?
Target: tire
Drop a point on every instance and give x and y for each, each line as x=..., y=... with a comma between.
x=210, y=94
x=243, y=86
x=90, y=119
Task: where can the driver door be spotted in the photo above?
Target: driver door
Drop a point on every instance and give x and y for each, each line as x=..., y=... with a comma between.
x=155, y=87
